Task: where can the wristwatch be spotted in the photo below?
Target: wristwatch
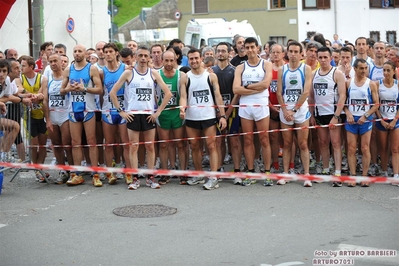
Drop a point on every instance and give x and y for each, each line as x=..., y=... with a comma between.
x=366, y=115
x=223, y=116
x=21, y=98
x=119, y=110
x=337, y=117
x=294, y=110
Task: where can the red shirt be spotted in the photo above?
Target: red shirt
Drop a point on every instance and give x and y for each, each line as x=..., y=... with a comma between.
x=39, y=65
x=273, y=88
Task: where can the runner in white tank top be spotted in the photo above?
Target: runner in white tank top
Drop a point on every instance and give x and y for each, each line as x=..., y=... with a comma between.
x=293, y=87
x=251, y=81
x=139, y=114
x=327, y=99
x=388, y=130
x=361, y=94
x=199, y=93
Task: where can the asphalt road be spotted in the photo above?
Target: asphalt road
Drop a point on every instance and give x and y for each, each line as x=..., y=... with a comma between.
x=47, y=224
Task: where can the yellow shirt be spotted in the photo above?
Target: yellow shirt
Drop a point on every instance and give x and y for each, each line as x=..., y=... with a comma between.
x=37, y=112
x=317, y=65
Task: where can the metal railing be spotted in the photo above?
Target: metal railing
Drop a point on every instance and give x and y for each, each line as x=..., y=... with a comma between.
x=15, y=139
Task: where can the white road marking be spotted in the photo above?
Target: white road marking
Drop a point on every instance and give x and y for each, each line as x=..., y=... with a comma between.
x=2, y=225
x=383, y=260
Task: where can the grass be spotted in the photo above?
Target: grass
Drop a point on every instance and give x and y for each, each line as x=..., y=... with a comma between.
x=128, y=9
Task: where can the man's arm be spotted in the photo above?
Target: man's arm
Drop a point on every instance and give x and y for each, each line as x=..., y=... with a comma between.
x=65, y=86
x=306, y=87
x=279, y=92
x=238, y=87
x=218, y=100
x=265, y=83
x=183, y=96
x=375, y=97
x=95, y=76
x=46, y=109
x=164, y=88
x=341, y=86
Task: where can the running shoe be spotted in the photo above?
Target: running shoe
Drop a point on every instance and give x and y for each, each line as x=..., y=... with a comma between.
x=183, y=180
x=75, y=180
x=63, y=177
x=196, y=180
x=164, y=180
x=129, y=179
x=111, y=178
x=96, y=181
x=268, y=182
x=150, y=182
x=135, y=184
x=248, y=182
x=307, y=183
x=237, y=181
x=211, y=184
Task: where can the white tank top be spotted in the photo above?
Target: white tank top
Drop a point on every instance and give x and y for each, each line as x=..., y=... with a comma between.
x=57, y=102
x=140, y=93
x=293, y=82
x=359, y=98
x=250, y=75
x=389, y=99
x=199, y=94
x=325, y=92
x=376, y=73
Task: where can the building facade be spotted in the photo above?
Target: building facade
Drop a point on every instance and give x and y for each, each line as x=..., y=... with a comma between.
x=271, y=19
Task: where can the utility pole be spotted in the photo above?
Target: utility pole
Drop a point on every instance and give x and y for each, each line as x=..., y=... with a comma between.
x=37, y=26
x=143, y=18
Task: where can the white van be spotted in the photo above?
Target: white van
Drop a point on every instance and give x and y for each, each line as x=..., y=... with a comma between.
x=210, y=32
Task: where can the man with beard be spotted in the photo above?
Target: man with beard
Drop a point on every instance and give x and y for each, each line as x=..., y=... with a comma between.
x=241, y=56
x=225, y=73
x=81, y=83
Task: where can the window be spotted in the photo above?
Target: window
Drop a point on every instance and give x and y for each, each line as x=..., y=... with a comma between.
x=200, y=6
x=316, y=4
x=277, y=4
x=384, y=3
x=279, y=39
x=375, y=35
x=391, y=37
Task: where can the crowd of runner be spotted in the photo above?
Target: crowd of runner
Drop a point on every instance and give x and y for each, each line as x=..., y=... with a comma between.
x=327, y=106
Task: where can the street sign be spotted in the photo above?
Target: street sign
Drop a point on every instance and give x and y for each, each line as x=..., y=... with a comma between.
x=177, y=15
x=70, y=25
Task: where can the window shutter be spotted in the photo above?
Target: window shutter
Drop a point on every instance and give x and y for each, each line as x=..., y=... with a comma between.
x=200, y=6
x=323, y=4
x=376, y=3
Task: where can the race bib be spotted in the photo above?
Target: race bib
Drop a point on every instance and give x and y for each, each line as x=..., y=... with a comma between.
x=121, y=101
x=173, y=99
x=273, y=86
x=201, y=96
x=358, y=105
x=144, y=94
x=320, y=89
x=78, y=96
x=226, y=99
x=293, y=95
x=57, y=100
x=388, y=106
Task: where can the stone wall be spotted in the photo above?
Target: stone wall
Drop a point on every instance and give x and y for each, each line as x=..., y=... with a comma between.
x=161, y=16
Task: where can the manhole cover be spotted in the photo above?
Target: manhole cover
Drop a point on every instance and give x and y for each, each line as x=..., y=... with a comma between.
x=144, y=211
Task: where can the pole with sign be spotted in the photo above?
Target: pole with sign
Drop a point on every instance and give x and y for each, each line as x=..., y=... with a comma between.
x=70, y=27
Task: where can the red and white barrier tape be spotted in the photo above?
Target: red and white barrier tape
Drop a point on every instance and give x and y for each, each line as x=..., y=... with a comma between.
x=192, y=173
x=197, y=138
x=231, y=105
